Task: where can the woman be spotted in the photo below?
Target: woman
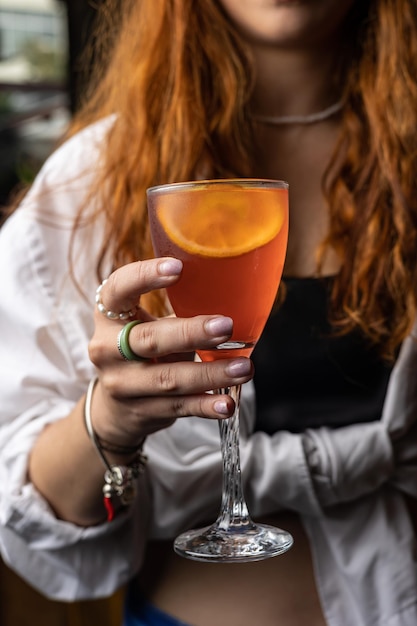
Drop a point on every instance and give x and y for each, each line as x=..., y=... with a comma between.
x=322, y=94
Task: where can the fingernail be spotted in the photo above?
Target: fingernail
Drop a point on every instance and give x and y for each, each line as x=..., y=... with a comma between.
x=170, y=267
x=219, y=326
x=221, y=407
x=240, y=367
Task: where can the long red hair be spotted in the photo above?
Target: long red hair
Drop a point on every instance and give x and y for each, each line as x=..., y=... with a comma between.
x=179, y=79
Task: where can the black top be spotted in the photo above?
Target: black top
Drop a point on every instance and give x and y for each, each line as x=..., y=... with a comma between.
x=305, y=375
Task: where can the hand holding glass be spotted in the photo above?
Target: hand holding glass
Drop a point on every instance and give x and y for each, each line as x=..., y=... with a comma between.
x=231, y=236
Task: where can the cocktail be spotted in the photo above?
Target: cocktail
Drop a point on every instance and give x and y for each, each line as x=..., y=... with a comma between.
x=231, y=236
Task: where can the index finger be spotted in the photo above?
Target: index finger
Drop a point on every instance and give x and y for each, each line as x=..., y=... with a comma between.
x=122, y=290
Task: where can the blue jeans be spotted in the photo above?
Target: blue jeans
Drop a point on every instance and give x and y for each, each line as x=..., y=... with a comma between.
x=139, y=612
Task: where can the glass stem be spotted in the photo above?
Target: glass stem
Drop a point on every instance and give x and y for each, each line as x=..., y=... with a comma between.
x=234, y=513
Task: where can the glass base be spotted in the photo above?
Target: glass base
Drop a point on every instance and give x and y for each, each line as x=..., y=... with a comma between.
x=254, y=543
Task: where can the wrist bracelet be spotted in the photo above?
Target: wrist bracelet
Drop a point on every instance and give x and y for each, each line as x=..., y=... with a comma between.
x=115, y=448
x=119, y=480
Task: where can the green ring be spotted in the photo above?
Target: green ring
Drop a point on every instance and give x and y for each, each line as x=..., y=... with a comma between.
x=123, y=343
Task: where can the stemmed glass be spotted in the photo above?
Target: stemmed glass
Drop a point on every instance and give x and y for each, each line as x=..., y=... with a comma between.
x=231, y=235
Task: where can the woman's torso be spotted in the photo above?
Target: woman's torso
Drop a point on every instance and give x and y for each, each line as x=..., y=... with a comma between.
x=305, y=378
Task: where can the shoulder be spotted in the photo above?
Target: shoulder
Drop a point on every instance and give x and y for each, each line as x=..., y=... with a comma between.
x=38, y=239
x=63, y=184
x=81, y=152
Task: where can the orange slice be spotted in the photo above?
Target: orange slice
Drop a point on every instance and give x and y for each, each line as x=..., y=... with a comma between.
x=222, y=223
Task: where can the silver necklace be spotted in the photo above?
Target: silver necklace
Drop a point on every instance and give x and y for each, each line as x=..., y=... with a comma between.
x=312, y=118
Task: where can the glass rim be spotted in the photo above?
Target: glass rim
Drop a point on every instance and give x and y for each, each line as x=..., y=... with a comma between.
x=265, y=183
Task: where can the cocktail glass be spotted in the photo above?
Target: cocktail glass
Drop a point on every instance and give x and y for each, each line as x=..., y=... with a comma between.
x=231, y=235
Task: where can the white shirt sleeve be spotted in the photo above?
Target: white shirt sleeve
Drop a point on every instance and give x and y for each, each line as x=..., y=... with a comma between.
x=45, y=326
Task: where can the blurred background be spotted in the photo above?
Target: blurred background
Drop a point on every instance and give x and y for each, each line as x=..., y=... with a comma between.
x=42, y=79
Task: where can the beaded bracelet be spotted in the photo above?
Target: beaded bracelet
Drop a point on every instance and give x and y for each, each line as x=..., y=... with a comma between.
x=119, y=480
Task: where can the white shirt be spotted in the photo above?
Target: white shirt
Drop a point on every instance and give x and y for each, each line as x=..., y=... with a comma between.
x=346, y=484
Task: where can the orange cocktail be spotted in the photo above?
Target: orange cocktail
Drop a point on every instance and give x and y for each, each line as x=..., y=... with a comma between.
x=231, y=236
x=232, y=240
